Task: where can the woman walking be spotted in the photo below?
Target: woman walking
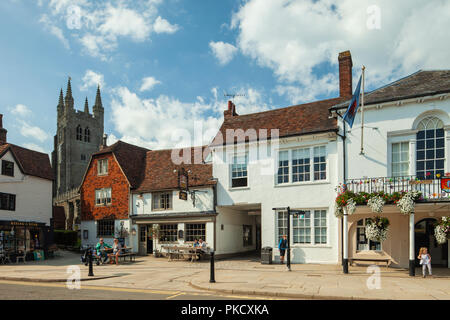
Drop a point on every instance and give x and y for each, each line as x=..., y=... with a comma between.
x=282, y=246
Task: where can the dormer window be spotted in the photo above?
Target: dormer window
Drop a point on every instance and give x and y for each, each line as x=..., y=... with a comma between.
x=7, y=168
x=79, y=133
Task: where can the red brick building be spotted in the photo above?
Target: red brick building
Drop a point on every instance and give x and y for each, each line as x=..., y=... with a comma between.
x=105, y=191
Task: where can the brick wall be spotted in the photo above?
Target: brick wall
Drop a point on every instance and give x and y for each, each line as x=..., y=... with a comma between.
x=119, y=191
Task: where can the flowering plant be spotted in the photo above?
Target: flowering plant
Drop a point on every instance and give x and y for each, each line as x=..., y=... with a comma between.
x=442, y=230
x=376, y=204
x=406, y=203
x=377, y=229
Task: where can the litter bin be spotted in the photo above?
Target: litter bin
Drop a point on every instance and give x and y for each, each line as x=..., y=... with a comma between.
x=266, y=255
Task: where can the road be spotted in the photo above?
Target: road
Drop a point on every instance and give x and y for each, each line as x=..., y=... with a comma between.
x=17, y=290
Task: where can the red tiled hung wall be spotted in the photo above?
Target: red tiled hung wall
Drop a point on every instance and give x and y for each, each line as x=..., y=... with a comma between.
x=116, y=180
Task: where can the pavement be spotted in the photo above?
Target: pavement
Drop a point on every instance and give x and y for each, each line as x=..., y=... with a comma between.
x=240, y=276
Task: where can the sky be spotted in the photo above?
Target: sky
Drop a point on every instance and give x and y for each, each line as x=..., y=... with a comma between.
x=165, y=66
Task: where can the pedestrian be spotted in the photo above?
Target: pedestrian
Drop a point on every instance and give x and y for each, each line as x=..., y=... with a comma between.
x=425, y=260
x=282, y=246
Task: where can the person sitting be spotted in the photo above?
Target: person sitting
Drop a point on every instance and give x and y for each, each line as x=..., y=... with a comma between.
x=202, y=245
x=195, y=243
x=100, y=249
x=117, y=248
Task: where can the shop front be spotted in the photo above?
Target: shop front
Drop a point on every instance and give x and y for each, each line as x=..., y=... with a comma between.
x=23, y=240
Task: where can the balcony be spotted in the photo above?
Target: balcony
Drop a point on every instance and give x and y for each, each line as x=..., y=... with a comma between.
x=432, y=190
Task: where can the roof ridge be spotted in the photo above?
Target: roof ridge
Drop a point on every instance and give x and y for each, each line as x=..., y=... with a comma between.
x=15, y=145
x=394, y=82
x=282, y=108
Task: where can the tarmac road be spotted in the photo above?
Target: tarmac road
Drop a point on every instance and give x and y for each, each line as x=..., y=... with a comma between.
x=21, y=290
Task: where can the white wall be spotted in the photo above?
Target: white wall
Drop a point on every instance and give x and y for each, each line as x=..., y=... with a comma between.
x=394, y=124
x=91, y=227
x=33, y=195
x=204, y=202
x=263, y=190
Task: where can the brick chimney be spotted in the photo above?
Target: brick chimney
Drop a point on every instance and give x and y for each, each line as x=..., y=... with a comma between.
x=3, y=131
x=231, y=111
x=345, y=74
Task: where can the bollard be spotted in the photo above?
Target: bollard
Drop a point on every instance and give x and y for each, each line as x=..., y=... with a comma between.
x=91, y=269
x=212, y=280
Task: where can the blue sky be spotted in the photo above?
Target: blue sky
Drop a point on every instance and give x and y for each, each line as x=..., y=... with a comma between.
x=164, y=65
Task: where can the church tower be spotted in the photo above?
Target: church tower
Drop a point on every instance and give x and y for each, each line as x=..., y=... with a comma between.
x=78, y=135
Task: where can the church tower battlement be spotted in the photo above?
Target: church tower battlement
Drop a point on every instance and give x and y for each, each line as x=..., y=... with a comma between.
x=79, y=134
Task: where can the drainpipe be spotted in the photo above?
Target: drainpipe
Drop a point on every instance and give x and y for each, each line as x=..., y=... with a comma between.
x=412, y=260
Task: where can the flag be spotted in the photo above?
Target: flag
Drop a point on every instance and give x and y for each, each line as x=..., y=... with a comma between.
x=350, y=114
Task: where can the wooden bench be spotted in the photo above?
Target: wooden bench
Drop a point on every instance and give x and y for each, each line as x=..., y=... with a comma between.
x=374, y=259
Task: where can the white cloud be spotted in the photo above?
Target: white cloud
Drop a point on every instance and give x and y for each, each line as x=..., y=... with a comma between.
x=224, y=52
x=21, y=110
x=163, y=26
x=167, y=122
x=305, y=36
x=53, y=29
x=92, y=79
x=31, y=131
x=99, y=25
x=33, y=146
x=148, y=83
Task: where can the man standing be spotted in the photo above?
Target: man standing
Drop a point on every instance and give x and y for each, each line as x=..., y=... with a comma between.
x=100, y=249
x=282, y=246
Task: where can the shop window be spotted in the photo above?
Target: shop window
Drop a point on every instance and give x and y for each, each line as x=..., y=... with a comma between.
x=310, y=227
x=195, y=231
x=105, y=228
x=7, y=201
x=162, y=201
x=281, y=224
x=7, y=168
x=168, y=232
x=248, y=237
x=362, y=243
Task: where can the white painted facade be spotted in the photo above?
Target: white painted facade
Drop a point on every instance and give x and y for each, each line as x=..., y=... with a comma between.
x=263, y=193
x=90, y=237
x=33, y=195
x=386, y=124
x=182, y=212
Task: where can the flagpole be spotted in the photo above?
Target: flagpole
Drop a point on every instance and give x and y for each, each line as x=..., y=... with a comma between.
x=362, y=112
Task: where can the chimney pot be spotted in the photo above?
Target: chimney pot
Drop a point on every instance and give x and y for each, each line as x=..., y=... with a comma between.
x=3, y=131
x=345, y=74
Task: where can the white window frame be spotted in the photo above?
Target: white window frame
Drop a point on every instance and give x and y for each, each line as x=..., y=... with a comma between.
x=368, y=241
x=311, y=226
x=400, y=162
x=311, y=166
x=156, y=198
x=233, y=157
x=102, y=167
x=103, y=197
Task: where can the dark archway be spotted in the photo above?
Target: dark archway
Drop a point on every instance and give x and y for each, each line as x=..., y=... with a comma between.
x=424, y=237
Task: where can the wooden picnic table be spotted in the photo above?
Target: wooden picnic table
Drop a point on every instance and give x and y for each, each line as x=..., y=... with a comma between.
x=182, y=251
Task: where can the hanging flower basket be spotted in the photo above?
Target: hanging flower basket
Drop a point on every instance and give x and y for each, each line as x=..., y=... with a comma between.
x=376, y=203
x=442, y=230
x=350, y=204
x=377, y=229
x=406, y=203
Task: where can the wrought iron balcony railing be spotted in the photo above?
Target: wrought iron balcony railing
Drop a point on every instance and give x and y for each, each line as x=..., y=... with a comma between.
x=431, y=189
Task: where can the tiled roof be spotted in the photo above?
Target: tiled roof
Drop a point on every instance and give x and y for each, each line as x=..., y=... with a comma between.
x=159, y=169
x=31, y=162
x=131, y=159
x=419, y=84
x=295, y=120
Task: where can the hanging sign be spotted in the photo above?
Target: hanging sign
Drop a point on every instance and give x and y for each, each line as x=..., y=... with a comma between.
x=182, y=195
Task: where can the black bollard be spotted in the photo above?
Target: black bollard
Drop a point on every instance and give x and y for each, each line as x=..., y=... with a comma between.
x=212, y=280
x=91, y=268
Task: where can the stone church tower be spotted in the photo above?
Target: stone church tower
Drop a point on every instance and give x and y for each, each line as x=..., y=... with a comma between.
x=78, y=135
